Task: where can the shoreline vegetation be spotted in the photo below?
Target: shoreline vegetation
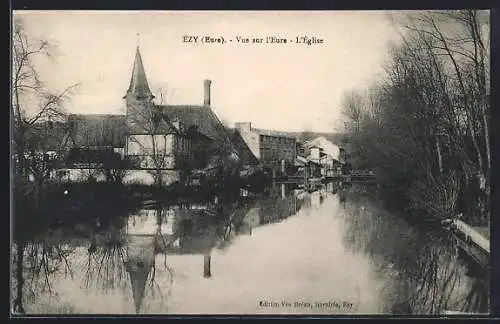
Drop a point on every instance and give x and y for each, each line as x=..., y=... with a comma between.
x=67, y=204
x=423, y=125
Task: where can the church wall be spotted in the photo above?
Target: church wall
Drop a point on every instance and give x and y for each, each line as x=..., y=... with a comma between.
x=143, y=144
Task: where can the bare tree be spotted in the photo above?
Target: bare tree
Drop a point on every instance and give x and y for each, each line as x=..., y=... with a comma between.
x=149, y=135
x=34, y=110
x=165, y=94
x=428, y=118
x=32, y=104
x=467, y=56
x=45, y=148
x=352, y=107
x=457, y=38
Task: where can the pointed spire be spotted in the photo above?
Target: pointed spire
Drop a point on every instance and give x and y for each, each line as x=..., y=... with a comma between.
x=140, y=260
x=138, y=82
x=139, y=278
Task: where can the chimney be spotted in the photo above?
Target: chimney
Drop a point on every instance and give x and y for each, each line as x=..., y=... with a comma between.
x=243, y=126
x=206, y=87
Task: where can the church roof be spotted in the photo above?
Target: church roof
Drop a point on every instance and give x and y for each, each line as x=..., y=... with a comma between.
x=97, y=130
x=138, y=82
x=202, y=117
x=47, y=136
x=142, y=125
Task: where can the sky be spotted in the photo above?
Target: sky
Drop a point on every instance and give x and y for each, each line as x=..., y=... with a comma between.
x=288, y=87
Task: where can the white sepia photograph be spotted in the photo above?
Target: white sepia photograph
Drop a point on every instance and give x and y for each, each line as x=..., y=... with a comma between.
x=250, y=163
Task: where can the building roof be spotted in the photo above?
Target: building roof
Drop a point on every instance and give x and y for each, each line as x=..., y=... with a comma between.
x=47, y=136
x=245, y=154
x=327, y=146
x=138, y=82
x=269, y=132
x=97, y=130
x=151, y=123
x=203, y=117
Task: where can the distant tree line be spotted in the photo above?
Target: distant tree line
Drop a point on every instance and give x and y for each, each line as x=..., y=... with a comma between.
x=424, y=126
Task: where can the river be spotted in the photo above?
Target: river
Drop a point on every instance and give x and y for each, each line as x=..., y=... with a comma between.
x=285, y=251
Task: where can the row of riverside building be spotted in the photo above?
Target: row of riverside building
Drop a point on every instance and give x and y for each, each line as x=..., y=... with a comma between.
x=151, y=136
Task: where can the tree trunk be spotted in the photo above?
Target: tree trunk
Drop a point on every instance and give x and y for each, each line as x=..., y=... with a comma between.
x=439, y=157
x=479, y=58
x=486, y=137
x=466, y=101
x=39, y=183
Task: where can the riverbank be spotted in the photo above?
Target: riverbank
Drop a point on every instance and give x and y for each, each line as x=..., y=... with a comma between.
x=69, y=204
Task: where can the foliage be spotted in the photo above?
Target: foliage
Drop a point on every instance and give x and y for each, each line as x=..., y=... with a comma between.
x=424, y=126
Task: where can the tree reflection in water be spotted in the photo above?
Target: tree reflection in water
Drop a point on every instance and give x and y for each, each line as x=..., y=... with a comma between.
x=42, y=259
x=119, y=260
x=105, y=268
x=429, y=277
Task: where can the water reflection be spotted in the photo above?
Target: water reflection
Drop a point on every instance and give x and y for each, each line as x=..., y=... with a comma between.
x=430, y=278
x=332, y=245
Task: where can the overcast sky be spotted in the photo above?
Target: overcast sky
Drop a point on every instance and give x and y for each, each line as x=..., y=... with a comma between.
x=275, y=86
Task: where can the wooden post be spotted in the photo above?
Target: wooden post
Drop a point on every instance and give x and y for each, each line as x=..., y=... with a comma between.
x=207, y=258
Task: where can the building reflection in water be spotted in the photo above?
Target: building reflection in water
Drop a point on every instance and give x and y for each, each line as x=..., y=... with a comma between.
x=195, y=229
x=172, y=230
x=123, y=257
x=416, y=275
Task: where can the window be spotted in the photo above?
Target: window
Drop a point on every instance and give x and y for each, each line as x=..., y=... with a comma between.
x=169, y=143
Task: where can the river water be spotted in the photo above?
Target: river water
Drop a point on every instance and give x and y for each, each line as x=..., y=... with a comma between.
x=285, y=251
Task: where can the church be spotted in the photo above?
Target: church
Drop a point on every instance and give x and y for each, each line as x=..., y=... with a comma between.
x=149, y=137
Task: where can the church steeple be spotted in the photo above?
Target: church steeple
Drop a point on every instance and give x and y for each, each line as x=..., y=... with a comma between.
x=138, y=83
x=139, y=263
x=138, y=277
